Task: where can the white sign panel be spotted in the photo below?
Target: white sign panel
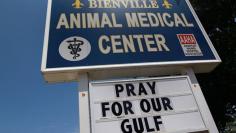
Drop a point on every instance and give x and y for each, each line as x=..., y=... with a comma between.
x=152, y=105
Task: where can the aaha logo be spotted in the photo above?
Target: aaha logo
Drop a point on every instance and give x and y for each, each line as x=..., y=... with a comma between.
x=189, y=45
x=74, y=48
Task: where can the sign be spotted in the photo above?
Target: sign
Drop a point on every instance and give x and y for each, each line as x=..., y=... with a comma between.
x=87, y=35
x=164, y=104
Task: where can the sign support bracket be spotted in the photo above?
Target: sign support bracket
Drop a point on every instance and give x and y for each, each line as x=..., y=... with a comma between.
x=203, y=107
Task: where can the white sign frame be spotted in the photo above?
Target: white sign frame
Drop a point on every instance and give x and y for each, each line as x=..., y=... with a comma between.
x=201, y=102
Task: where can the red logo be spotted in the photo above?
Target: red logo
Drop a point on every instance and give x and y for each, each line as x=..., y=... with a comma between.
x=187, y=39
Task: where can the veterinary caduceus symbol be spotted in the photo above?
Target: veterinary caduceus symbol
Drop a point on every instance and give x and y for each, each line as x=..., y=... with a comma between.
x=74, y=46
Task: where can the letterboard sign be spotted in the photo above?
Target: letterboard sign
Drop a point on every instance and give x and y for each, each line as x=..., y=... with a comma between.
x=164, y=105
x=86, y=35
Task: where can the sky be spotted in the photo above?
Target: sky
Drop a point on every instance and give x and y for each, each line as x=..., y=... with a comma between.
x=27, y=103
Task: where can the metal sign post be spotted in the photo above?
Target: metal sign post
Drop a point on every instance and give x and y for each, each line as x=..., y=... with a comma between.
x=206, y=114
x=84, y=115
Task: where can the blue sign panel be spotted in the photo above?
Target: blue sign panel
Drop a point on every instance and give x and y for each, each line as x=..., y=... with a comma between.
x=85, y=33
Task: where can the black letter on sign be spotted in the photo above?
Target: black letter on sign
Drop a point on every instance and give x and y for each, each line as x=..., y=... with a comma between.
x=148, y=106
x=156, y=105
x=104, y=108
x=157, y=123
x=119, y=88
x=128, y=107
x=152, y=87
x=142, y=89
x=119, y=107
x=166, y=103
x=130, y=89
x=147, y=125
x=124, y=130
x=138, y=127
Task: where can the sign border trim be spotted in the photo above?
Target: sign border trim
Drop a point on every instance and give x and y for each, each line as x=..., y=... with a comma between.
x=125, y=65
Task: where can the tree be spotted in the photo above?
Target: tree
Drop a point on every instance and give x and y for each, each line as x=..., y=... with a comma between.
x=219, y=87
